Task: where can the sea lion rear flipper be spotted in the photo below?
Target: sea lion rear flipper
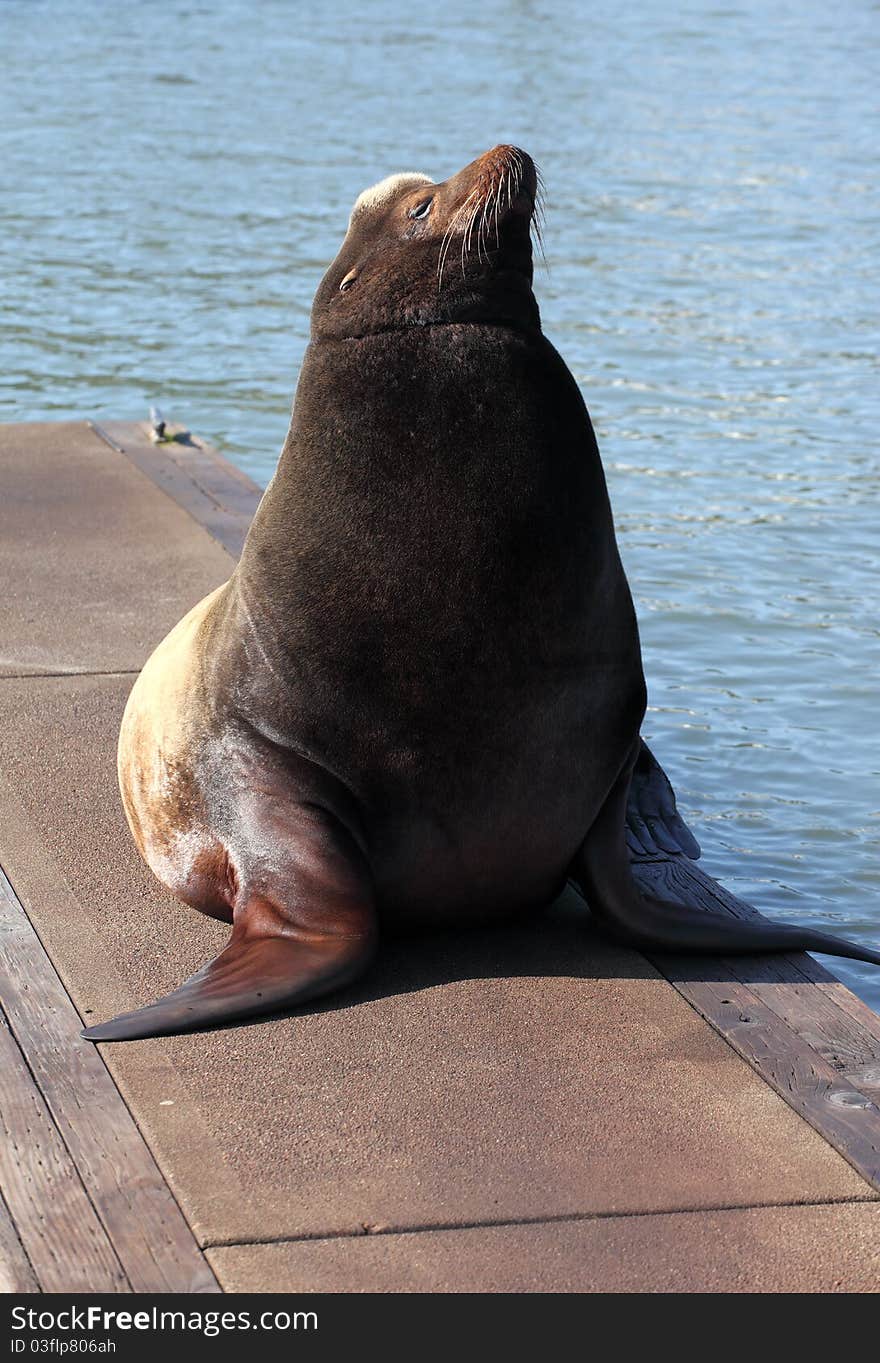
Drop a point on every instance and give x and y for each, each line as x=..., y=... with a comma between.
x=251, y=977
x=309, y=928
x=654, y=826
x=601, y=868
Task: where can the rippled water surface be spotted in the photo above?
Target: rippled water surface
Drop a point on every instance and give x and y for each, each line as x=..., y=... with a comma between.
x=176, y=178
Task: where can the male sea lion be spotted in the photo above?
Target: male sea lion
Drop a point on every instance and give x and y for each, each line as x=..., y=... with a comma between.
x=419, y=695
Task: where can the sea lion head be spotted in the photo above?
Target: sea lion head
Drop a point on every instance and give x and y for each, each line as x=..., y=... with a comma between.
x=418, y=253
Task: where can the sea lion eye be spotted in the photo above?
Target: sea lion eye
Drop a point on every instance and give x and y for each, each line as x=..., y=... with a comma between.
x=422, y=210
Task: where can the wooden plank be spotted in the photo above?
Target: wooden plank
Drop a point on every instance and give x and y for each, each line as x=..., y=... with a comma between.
x=67, y=1246
x=846, y=1000
x=678, y=877
x=16, y=1274
x=850, y=1048
x=219, y=497
x=847, y=1118
x=225, y=484
x=152, y=1239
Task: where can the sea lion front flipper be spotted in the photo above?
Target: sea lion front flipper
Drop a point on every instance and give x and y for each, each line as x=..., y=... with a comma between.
x=654, y=826
x=306, y=926
x=602, y=870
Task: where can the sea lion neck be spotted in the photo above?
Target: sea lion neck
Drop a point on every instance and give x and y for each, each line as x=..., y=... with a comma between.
x=513, y=318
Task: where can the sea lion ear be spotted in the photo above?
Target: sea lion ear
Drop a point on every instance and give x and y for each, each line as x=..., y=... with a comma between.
x=386, y=190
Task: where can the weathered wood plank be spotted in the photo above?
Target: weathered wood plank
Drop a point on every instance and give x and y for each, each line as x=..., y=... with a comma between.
x=221, y=481
x=678, y=876
x=829, y=1017
x=847, y=1118
x=846, y=1000
x=223, y=503
x=152, y=1239
x=850, y=1048
x=67, y=1246
x=16, y=1274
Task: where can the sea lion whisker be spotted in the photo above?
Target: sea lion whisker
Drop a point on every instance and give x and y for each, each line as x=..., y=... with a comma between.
x=441, y=259
x=540, y=195
x=451, y=227
x=468, y=233
x=468, y=236
x=479, y=221
x=539, y=215
x=444, y=251
x=490, y=212
x=462, y=245
x=482, y=234
x=470, y=227
x=446, y=242
x=520, y=170
x=539, y=242
x=464, y=237
x=498, y=207
x=460, y=213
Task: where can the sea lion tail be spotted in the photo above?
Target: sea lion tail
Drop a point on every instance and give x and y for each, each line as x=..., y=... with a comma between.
x=602, y=871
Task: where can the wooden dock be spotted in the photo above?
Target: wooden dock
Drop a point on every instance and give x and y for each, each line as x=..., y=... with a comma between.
x=526, y=1109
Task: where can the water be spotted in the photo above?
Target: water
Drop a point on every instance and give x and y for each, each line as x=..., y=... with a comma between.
x=176, y=177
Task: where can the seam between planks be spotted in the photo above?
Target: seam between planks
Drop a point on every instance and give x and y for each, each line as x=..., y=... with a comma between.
x=16, y=1270
x=562, y=1218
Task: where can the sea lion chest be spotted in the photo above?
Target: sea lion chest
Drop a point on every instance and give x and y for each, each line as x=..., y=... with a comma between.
x=433, y=574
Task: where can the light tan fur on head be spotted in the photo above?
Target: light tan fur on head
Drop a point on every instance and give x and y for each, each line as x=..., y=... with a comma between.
x=387, y=189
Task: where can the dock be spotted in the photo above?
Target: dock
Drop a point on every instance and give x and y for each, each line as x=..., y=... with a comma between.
x=523, y=1109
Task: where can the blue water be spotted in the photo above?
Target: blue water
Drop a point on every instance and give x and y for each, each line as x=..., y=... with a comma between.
x=176, y=177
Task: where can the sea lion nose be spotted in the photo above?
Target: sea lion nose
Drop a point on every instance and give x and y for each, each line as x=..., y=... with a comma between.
x=505, y=152
x=507, y=160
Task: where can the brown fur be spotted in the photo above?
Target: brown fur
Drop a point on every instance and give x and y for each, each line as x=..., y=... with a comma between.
x=419, y=696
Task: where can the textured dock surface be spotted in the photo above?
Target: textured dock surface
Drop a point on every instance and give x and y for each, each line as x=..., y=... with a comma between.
x=527, y=1109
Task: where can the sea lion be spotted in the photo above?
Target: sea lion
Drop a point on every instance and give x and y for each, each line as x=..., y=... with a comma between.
x=418, y=698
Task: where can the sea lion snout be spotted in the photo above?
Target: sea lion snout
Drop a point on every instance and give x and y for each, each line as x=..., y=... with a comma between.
x=503, y=180
x=507, y=164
